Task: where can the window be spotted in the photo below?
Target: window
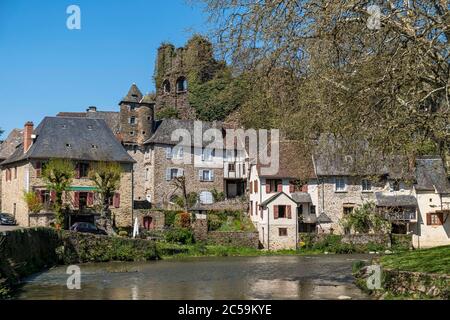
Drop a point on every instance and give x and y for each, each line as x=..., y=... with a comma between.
x=366, y=185
x=297, y=186
x=312, y=210
x=166, y=86
x=273, y=185
x=282, y=212
x=340, y=185
x=83, y=170
x=251, y=207
x=132, y=120
x=256, y=208
x=178, y=153
x=206, y=197
x=172, y=173
x=131, y=133
x=435, y=219
x=206, y=175
x=282, y=232
x=232, y=167
x=348, y=209
x=208, y=154
x=146, y=174
x=181, y=84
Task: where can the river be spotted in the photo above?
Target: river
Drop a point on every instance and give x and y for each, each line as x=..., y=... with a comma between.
x=248, y=278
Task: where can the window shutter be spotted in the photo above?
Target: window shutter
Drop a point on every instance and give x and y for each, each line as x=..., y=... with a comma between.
x=212, y=175
x=78, y=171
x=38, y=169
x=180, y=172
x=169, y=153
x=117, y=200
x=256, y=208
x=251, y=187
x=53, y=196
x=90, y=199
x=251, y=207
x=256, y=186
x=76, y=200
x=39, y=195
x=289, y=212
x=168, y=174
x=441, y=218
x=267, y=186
x=200, y=175
x=275, y=212
x=428, y=218
x=291, y=187
x=280, y=187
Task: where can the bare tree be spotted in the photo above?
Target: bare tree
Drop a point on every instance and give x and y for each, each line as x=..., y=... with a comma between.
x=320, y=67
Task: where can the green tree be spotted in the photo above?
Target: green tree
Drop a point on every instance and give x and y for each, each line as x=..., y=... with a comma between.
x=106, y=177
x=58, y=175
x=33, y=202
x=365, y=219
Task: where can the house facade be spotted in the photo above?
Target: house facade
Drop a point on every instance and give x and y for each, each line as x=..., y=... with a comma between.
x=83, y=141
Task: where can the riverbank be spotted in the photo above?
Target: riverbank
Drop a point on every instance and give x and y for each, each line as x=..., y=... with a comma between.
x=419, y=274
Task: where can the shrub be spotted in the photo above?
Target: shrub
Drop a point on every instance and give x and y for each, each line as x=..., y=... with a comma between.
x=181, y=236
x=365, y=219
x=218, y=195
x=182, y=220
x=123, y=234
x=214, y=222
x=170, y=218
x=33, y=202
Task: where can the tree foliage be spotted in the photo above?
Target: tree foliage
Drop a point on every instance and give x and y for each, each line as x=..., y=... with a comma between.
x=106, y=177
x=365, y=219
x=33, y=202
x=58, y=175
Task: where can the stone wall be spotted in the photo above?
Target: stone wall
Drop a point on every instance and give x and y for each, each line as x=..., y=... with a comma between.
x=234, y=239
x=358, y=239
x=200, y=228
x=430, y=285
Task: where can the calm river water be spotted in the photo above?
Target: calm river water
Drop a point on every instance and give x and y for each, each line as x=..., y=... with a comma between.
x=273, y=277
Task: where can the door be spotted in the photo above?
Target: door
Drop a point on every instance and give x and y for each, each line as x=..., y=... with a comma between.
x=148, y=223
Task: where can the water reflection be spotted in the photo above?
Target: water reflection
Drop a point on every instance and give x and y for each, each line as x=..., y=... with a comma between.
x=324, y=277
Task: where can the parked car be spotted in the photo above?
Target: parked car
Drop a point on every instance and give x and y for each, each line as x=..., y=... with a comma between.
x=7, y=220
x=86, y=227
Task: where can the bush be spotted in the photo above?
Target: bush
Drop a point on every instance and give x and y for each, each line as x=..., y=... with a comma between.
x=181, y=236
x=214, y=222
x=170, y=218
x=33, y=202
x=123, y=234
x=365, y=219
x=182, y=220
x=218, y=195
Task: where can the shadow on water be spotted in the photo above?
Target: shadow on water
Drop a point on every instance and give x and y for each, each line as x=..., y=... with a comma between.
x=250, y=278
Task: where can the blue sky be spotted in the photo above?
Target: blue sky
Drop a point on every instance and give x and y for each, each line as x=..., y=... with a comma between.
x=46, y=68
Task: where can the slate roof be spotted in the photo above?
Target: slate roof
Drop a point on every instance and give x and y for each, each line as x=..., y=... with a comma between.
x=295, y=161
x=275, y=196
x=134, y=95
x=165, y=128
x=111, y=118
x=329, y=160
x=395, y=200
x=301, y=197
x=431, y=175
x=8, y=147
x=73, y=138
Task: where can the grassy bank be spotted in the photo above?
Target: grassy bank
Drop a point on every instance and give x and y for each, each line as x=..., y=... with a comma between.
x=434, y=260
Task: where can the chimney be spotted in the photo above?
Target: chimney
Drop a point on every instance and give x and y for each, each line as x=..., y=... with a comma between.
x=27, y=136
x=92, y=109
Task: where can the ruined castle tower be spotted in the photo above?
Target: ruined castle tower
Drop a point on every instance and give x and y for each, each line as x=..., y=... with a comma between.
x=179, y=70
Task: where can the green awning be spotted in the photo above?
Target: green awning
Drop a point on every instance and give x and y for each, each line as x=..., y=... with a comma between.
x=82, y=189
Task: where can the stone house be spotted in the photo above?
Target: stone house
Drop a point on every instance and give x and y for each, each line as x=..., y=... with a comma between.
x=7, y=148
x=432, y=190
x=85, y=142
x=281, y=202
x=206, y=169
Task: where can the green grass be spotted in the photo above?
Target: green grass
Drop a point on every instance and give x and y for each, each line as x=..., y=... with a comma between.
x=170, y=250
x=434, y=260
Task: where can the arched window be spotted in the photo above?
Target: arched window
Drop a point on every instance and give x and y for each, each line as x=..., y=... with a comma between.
x=166, y=86
x=181, y=84
x=206, y=197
